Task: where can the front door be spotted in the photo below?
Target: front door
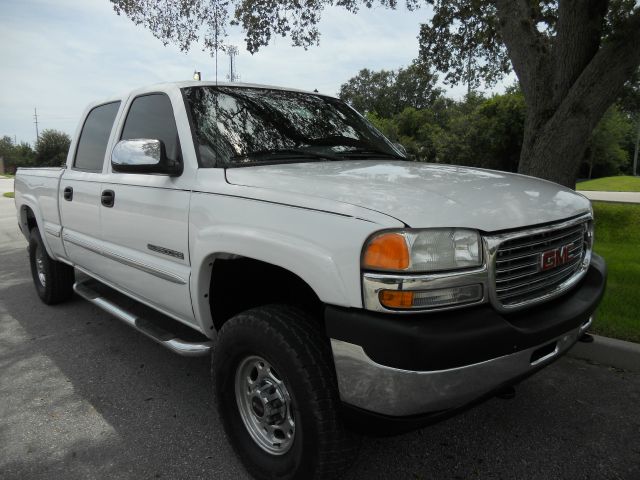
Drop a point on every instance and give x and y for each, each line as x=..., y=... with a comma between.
x=146, y=216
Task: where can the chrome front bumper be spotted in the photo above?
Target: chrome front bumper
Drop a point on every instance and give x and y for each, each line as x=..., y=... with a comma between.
x=391, y=391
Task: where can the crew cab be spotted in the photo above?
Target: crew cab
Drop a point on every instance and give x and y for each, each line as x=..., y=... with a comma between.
x=335, y=284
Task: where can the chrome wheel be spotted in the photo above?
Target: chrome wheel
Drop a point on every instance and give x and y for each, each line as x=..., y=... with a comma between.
x=40, y=267
x=265, y=405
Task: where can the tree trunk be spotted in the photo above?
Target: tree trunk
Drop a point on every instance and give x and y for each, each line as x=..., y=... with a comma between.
x=568, y=81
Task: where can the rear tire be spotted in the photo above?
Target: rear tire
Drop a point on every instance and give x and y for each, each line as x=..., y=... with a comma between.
x=276, y=392
x=53, y=280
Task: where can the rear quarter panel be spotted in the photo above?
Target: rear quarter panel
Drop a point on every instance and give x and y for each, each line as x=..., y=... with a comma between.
x=37, y=189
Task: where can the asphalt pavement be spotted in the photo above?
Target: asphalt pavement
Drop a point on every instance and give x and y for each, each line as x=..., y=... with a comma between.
x=83, y=396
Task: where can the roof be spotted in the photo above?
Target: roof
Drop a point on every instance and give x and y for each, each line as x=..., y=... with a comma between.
x=168, y=86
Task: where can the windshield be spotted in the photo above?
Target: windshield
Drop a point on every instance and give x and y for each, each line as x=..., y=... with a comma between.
x=241, y=126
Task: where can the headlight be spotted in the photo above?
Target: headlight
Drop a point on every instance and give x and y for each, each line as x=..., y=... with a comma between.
x=423, y=250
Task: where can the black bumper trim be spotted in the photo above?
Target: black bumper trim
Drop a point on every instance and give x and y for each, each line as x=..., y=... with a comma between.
x=443, y=340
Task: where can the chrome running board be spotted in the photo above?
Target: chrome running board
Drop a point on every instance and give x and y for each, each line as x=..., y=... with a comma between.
x=90, y=290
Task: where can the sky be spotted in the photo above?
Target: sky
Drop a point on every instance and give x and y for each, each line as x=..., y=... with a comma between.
x=59, y=55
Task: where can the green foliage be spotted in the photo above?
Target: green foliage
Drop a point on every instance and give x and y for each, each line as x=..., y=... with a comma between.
x=52, y=148
x=388, y=92
x=8, y=194
x=617, y=236
x=477, y=131
x=21, y=155
x=608, y=152
x=612, y=184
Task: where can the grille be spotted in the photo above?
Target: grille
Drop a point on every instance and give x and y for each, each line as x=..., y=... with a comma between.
x=519, y=275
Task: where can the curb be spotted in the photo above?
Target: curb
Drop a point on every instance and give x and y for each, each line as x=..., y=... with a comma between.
x=609, y=351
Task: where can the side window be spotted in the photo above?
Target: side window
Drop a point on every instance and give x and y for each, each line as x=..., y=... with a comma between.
x=94, y=137
x=151, y=116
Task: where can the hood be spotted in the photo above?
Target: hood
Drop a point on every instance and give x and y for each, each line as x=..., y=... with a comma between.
x=424, y=195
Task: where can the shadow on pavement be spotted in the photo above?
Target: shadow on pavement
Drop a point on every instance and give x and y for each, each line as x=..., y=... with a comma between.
x=85, y=396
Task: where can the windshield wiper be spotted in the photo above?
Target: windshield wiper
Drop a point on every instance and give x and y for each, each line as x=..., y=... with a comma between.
x=284, y=153
x=368, y=152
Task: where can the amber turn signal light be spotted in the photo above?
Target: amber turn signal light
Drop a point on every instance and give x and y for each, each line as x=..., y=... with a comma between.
x=387, y=251
x=396, y=298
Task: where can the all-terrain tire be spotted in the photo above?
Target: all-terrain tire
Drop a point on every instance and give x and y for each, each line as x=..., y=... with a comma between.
x=291, y=344
x=53, y=280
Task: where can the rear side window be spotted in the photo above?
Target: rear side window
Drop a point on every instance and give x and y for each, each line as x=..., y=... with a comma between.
x=151, y=116
x=94, y=137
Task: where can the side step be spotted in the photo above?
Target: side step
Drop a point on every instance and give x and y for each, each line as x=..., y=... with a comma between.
x=105, y=298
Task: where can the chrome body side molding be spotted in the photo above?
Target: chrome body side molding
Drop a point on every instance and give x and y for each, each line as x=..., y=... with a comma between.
x=171, y=277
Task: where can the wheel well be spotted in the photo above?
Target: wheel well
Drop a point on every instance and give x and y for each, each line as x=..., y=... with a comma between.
x=27, y=219
x=242, y=283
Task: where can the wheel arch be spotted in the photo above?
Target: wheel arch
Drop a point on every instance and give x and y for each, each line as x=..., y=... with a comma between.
x=297, y=262
x=29, y=217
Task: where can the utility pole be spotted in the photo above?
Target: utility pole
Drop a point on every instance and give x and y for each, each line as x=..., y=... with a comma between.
x=35, y=116
x=635, y=153
x=232, y=51
x=469, y=74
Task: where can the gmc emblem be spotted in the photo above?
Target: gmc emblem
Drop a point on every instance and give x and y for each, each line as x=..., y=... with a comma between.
x=554, y=258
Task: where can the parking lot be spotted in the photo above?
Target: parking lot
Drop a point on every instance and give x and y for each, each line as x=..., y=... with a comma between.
x=83, y=396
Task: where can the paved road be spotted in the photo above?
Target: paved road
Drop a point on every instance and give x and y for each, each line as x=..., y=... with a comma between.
x=624, y=197
x=82, y=396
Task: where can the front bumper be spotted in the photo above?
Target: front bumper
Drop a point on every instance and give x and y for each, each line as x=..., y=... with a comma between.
x=400, y=366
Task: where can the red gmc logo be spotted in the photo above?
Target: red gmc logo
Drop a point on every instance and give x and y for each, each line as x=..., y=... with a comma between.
x=554, y=258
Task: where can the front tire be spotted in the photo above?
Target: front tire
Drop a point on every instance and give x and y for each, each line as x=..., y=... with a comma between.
x=53, y=280
x=276, y=393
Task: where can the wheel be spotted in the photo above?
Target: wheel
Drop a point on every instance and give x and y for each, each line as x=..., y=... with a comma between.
x=53, y=280
x=276, y=392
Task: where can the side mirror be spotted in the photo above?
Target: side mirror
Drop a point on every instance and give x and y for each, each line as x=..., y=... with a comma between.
x=143, y=155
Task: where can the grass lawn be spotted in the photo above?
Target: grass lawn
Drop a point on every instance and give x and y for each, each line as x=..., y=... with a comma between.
x=611, y=184
x=617, y=239
x=8, y=194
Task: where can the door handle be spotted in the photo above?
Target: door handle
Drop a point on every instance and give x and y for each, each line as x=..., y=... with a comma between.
x=68, y=193
x=108, y=198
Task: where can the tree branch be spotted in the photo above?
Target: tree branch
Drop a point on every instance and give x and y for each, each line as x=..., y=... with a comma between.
x=578, y=37
x=603, y=78
x=524, y=43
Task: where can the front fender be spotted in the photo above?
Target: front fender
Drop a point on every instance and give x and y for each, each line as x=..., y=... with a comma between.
x=321, y=248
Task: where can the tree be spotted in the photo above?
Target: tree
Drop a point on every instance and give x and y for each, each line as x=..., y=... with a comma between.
x=369, y=92
x=52, y=148
x=572, y=57
x=388, y=92
x=606, y=154
x=15, y=156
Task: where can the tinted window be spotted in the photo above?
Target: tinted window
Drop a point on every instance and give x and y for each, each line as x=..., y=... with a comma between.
x=239, y=126
x=94, y=137
x=151, y=116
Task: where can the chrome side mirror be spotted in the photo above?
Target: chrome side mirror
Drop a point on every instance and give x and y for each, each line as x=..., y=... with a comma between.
x=143, y=155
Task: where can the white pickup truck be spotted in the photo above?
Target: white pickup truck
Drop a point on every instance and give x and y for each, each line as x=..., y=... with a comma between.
x=335, y=284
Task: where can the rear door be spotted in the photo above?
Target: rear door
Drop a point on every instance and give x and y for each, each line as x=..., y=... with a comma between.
x=80, y=189
x=145, y=229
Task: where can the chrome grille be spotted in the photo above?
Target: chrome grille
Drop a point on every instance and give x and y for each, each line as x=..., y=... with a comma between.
x=519, y=275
